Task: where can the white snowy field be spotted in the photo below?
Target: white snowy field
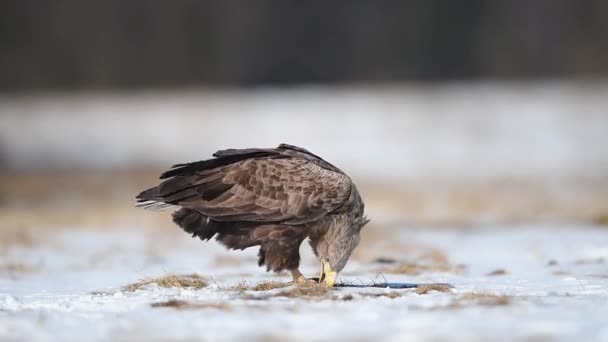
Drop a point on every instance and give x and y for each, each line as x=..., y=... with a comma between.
x=523, y=282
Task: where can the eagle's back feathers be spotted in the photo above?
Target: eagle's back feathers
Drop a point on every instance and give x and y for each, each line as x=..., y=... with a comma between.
x=288, y=185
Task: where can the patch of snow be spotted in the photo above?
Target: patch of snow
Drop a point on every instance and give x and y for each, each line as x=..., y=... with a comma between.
x=78, y=292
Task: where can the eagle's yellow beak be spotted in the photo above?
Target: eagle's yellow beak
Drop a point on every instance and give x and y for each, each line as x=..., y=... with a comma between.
x=328, y=275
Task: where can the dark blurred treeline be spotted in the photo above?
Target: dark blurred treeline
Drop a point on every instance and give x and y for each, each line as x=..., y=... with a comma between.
x=132, y=43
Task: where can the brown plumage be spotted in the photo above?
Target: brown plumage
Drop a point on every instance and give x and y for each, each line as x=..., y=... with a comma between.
x=272, y=198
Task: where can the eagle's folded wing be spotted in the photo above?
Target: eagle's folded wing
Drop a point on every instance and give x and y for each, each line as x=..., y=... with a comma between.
x=287, y=190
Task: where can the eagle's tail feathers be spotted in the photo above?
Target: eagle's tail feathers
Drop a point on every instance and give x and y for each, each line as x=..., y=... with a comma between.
x=151, y=199
x=154, y=205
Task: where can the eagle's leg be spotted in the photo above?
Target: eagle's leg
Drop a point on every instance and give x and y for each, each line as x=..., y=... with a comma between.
x=299, y=278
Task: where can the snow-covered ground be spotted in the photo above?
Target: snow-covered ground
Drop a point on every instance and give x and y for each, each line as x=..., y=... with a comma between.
x=545, y=281
x=489, y=187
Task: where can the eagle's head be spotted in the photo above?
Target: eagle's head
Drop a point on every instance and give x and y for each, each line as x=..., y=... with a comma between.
x=336, y=246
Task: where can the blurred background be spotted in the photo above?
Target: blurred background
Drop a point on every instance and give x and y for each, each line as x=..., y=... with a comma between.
x=113, y=44
x=476, y=132
x=445, y=113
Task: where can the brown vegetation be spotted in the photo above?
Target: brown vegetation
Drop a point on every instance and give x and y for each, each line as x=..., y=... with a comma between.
x=483, y=299
x=391, y=295
x=269, y=285
x=306, y=290
x=431, y=260
x=30, y=201
x=601, y=219
x=170, y=280
x=16, y=236
x=18, y=268
x=498, y=272
x=348, y=297
x=472, y=299
x=262, y=286
x=181, y=305
x=426, y=288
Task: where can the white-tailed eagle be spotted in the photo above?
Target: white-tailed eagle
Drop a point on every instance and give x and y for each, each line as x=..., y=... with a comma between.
x=273, y=198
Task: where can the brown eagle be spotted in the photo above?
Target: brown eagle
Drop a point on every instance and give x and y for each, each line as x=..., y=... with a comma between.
x=268, y=197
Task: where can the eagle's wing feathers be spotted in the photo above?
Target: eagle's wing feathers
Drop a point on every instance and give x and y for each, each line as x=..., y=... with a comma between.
x=289, y=190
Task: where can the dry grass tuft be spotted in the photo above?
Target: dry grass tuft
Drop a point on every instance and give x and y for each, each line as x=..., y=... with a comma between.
x=601, y=219
x=483, y=299
x=385, y=260
x=18, y=268
x=241, y=286
x=306, y=290
x=182, y=305
x=269, y=285
x=171, y=280
x=391, y=295
x=17, y=236
x=426, y=288
x=468, y=300
x=431, y=260
x=498, y=272
x=30, y=200
x=347, y=297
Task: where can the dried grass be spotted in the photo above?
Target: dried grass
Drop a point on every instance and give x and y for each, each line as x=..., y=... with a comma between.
x=391, y=295
x=483, y=299
x=50, y=202
x=241, y=286
x=306, y=290
x=508, y=199
x=498, y=272
x=184, y=305
x=171, y=280
x=33, y=200
x=601, y=219
x=426, y=288
x=468, y=300
x=269, y=285
x=309, y=286
x=385, y=260
x=348, y=297
x=430, y=260
x=18, y=268
x=17, y=236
